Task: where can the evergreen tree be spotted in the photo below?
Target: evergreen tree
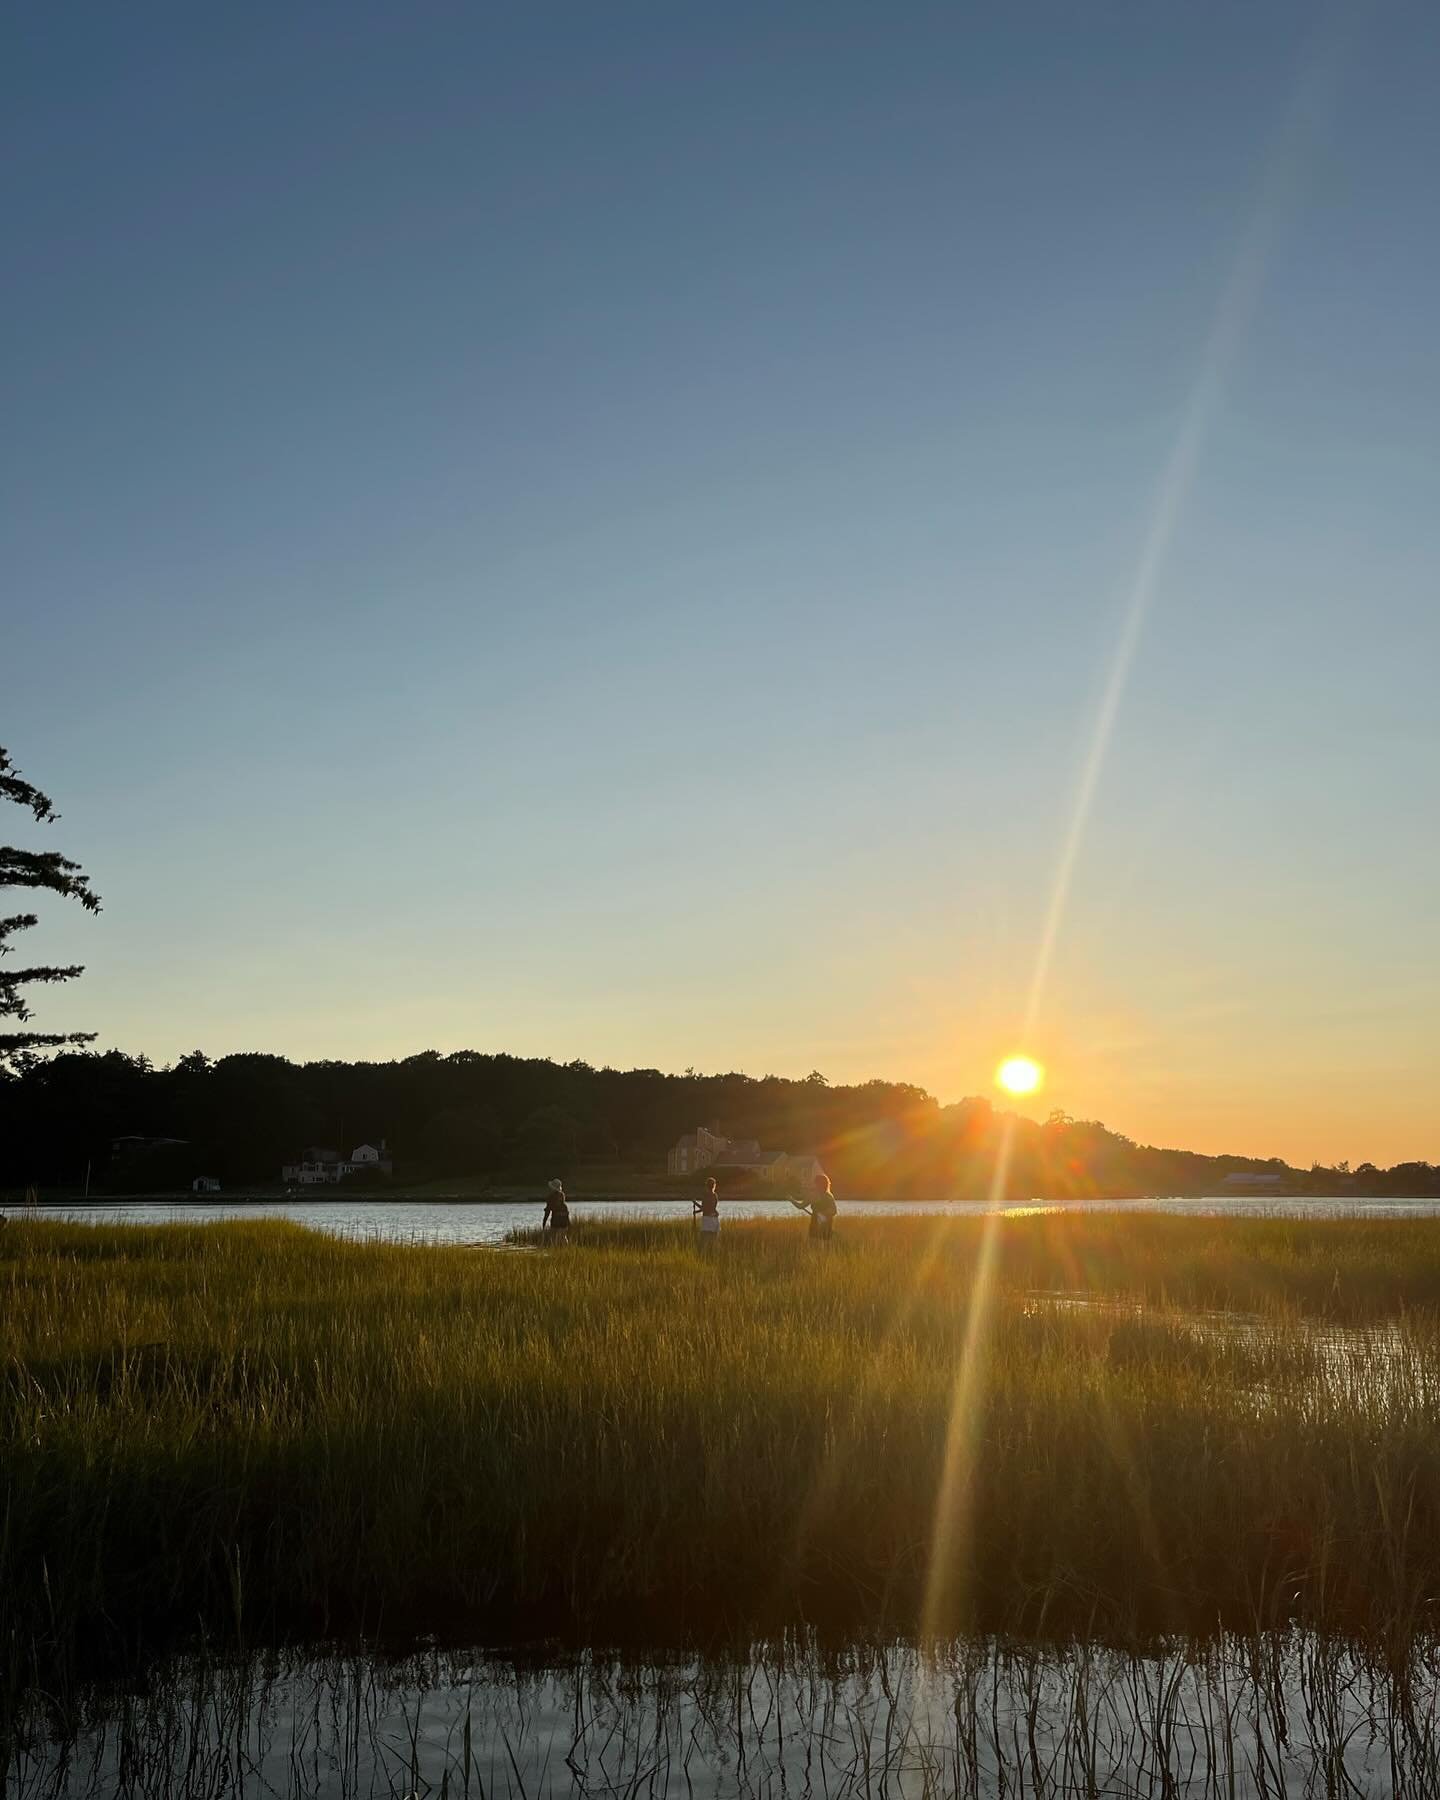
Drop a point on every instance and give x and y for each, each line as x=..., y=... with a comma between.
x=34, y=869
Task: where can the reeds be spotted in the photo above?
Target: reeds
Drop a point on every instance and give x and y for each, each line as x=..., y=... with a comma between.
x=249, y=1430
x=1284, y=1714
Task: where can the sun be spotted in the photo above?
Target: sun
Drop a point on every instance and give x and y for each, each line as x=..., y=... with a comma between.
x=1019, y=1075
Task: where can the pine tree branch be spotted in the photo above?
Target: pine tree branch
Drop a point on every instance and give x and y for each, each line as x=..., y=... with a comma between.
x=55, y=874
x=23, y=793
x=16, y=922
x=17, y=1042
x=46, y=869
x=12, y=1004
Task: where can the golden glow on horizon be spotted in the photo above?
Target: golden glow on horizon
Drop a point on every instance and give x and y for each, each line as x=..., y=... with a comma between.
x=1019, y=1075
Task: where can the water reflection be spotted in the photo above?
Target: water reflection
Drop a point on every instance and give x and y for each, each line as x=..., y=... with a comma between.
x=1274, y=1715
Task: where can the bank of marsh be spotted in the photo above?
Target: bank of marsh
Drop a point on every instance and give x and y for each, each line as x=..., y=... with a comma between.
x=252, y=1430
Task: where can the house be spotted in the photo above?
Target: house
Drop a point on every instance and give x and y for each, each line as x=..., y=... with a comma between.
x=702, y=1149
x=204, y=1184
x=317, y=1165
x=122, y=1147
x=797, y=1171
x=1250, y=1181
x=744, y=1153
x=697, y=1150
x=365, y=1159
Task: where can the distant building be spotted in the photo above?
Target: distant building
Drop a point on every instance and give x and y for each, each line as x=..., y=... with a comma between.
x=204, y=1184
x=702, y=1149
x=317, y=1165
x=1249, y=1181
x=697, y=1150
x=121, y=1147
x=745, y=1153
x=801, y=1171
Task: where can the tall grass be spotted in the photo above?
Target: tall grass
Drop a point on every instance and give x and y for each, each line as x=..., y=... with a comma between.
x=248, y=1429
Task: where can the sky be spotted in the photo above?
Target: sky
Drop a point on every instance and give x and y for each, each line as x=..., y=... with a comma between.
x=767, y=537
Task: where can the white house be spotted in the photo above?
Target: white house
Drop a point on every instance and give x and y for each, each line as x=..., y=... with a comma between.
x=317, y=1165
x=204, y=1184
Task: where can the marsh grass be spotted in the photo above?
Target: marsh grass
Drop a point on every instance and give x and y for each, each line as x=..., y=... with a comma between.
x=247, y=1431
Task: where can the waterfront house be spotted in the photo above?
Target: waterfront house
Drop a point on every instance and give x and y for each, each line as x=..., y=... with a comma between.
x=696, y=1150
x=317, y=1165
x=702, y=1149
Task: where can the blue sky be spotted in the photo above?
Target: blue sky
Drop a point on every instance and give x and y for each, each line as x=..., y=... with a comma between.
x=603, y=532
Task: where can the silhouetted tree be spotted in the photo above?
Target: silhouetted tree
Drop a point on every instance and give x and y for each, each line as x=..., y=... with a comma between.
x=461, y=1141
x=547, y=1142
x=470, y=1113
x=35, y=870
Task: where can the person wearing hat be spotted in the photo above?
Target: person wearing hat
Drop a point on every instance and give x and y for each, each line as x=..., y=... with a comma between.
x=707, y=1210
x=557, y=1210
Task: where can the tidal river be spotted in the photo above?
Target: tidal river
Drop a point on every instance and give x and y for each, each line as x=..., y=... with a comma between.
x=492, y=1221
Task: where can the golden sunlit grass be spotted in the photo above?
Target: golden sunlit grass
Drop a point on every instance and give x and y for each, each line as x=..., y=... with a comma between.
x=254, y=1428
x=1019, y=1075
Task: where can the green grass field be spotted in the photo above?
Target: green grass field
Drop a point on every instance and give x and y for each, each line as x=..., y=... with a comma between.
x=249, y=1430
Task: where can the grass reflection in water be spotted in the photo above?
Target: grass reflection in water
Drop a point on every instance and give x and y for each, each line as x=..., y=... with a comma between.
x=1280, y=1714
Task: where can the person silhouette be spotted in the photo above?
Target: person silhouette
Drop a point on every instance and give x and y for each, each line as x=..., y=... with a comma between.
x=822, y=1210
x=557, y=1209
x=708, y=1210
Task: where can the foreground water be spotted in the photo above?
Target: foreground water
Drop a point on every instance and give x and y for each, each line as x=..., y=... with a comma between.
x=1274, y=1715
x=491, y=1222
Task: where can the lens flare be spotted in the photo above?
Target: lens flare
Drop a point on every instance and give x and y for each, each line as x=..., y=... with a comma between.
x=1019, y=1075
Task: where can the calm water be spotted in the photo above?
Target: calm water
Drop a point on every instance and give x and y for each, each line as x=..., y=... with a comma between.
x=1273, y=1715
x=482, y=1222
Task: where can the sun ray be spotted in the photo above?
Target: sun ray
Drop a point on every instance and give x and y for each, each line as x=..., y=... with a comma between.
x=946, y=1592
x=945, y=1587
x=1233, y=312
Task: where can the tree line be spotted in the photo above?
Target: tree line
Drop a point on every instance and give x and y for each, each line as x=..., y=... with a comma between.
x=469, y=1115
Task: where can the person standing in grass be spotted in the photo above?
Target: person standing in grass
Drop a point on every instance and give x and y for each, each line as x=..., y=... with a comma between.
x=822, y=1211
x=708, y=1209
x=557, y=1209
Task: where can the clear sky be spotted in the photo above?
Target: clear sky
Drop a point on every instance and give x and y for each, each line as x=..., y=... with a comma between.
x=616, y=531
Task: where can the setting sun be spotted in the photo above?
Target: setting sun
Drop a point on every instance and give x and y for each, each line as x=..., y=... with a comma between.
x=1019, y=1075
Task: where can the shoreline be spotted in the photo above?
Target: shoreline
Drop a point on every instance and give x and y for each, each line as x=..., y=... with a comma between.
x=17, y=1203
